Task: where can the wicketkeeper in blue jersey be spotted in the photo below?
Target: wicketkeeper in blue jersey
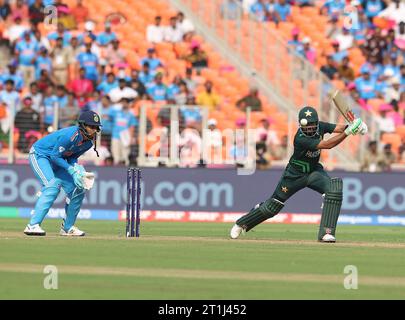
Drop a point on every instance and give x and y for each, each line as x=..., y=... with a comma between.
x=54, y=161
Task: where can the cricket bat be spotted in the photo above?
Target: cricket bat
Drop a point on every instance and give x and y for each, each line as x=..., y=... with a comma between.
x=342, y=105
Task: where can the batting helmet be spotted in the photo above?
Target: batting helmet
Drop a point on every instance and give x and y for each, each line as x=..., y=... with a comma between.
x=308, y=121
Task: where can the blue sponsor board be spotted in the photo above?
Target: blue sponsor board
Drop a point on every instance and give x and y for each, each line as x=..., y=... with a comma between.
x=212, y=190
x=85, y=214
x=344, y=219
x=372, y=220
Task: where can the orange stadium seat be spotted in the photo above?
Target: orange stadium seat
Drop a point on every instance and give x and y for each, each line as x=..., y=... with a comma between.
x=375, y=104
x=393, y=138
x=401, y=131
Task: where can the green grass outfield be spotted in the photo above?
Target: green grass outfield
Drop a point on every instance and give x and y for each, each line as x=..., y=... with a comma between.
x=198, y=261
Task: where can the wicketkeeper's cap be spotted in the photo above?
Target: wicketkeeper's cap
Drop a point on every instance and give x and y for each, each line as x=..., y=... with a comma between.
x=90, y=118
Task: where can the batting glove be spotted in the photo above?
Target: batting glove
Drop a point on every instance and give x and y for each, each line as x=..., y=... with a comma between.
x=354, y=127
x=363, y=129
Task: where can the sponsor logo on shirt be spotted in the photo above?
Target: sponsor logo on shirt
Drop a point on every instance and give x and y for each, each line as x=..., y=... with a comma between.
x=313, y=154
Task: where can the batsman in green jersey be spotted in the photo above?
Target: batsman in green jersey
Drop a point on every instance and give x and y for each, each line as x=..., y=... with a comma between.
x=304, y=170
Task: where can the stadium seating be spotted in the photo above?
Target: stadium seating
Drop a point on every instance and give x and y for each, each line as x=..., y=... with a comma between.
x=229, y=84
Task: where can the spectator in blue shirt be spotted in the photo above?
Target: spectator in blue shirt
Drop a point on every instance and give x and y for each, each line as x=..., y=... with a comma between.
x=5, y=10
x=333, y=7
x=383, y=82
x=89, y=61
x=107, y=85
x=146, y=76
x=104, y=111
x=44, y=2
x=61, y=96
x=259, y=10
x=372, y=67
x=154, y=62
x=392, y=64
x=283, y=10
x=12, y=75
x=50, y=103
x=174, y=87
x=42, y=62
x=295, y=43
x=26, y=51
x=158, y=90
x=231, y=10
x=360, y=28
x=10, y=97
x=123, y=132
x=60, y=33
x=105, y=38
x=366, y=86
x=372, y=8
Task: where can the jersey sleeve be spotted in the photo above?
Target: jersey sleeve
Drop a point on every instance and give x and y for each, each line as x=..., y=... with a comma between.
x=326, y=127
x=63, y=143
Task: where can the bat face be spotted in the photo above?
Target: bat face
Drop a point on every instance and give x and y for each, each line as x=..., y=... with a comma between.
x=342, y=105
x=350, y=115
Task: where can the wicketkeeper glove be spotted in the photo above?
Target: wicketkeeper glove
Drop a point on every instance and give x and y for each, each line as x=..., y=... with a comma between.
x=77, y=172
x=88, y=180
x=354, y=127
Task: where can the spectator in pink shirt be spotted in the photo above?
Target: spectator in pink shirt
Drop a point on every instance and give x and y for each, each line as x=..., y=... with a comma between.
x=307, y=51
x=82, y=88
x=114, y=54
x=20, y=9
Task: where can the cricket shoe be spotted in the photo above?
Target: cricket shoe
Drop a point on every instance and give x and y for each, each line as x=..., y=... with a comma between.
x=328, y=238
x=72, y=232
x=34, y=230
x=236, y=231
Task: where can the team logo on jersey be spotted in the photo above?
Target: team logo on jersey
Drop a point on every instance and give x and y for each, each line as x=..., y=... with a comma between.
x=284, y=189
x=61, y=149
x=96, y=118
x=313, y=154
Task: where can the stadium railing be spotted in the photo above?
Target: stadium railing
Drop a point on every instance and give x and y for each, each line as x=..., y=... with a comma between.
x=263, y=46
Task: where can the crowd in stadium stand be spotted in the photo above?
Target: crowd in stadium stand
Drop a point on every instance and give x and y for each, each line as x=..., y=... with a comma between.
x=77, y=69
x=377, y=28
x=80, y=69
